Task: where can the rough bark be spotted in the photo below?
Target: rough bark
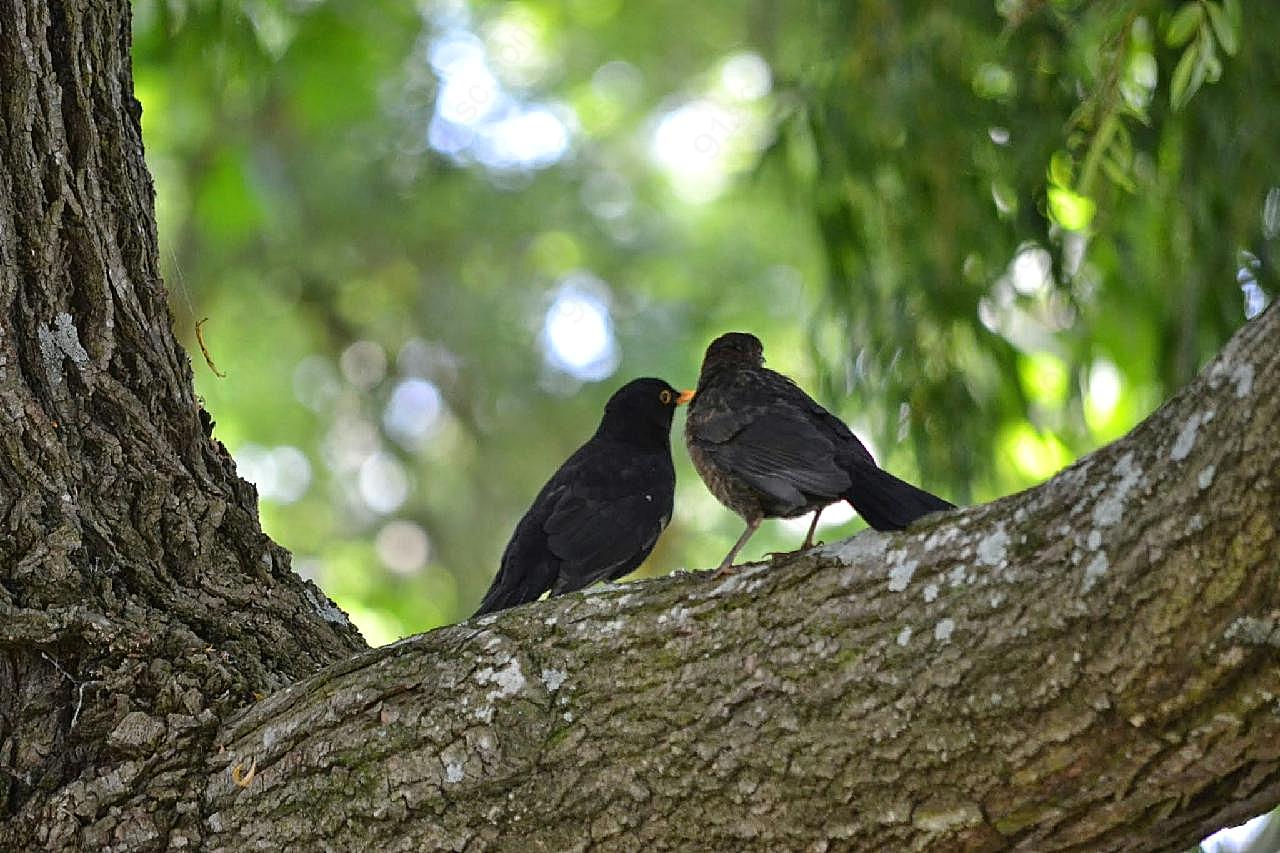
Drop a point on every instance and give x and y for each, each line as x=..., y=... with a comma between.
x=139, y=599
x=1092, y=664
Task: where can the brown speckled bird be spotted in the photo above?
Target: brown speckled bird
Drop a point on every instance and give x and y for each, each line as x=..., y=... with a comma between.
x=765, y=449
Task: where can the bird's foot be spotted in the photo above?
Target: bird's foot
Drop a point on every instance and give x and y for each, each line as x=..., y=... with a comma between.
x=726, y=570
x=777, y=555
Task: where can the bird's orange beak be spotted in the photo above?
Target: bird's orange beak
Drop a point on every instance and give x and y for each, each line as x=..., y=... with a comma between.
x=684, y=397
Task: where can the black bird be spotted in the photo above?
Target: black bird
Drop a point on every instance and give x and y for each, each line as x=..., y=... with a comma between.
x=765, y=449
x=600, y=515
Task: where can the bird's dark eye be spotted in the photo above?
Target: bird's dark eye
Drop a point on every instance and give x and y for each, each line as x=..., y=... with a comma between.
x=664, y=396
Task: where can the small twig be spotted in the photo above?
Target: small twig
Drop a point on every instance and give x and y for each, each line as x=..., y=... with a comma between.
x=59, y=667
x=81, y=685
x=205, y=350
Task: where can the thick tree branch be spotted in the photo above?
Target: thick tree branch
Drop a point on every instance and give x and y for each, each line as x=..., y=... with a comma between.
x=1091, y=664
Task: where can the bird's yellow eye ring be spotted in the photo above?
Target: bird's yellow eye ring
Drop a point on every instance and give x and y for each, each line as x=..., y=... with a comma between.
x=665, y=396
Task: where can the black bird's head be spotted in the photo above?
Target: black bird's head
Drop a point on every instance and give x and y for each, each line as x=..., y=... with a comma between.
x=642, y=409
x=733, y=349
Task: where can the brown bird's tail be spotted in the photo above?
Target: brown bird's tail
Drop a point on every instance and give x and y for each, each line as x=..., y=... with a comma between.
x=884, y=501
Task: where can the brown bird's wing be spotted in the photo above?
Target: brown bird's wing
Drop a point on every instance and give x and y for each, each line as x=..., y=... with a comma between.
x=778, y=450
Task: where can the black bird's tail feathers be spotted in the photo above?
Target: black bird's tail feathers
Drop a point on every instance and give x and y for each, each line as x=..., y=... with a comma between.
x=511, y=589
x=884, y=501
x=498, y=598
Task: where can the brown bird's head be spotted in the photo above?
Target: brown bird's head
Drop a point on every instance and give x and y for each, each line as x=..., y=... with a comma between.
x=741, y=349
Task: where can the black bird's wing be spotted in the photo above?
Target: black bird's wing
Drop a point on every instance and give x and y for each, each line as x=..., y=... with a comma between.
x=609, y=518
x=598, y=517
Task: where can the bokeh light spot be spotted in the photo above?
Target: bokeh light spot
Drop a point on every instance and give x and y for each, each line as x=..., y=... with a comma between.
x=577, y=332
x=403, y=547
x=412, y=415
x=364, y=364
x=383, y=483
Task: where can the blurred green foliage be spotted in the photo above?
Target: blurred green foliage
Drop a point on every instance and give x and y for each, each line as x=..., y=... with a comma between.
x=431, y=239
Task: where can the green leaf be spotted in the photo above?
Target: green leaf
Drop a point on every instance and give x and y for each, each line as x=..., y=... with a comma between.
x=1212, y=68
x=1180, y=89
x=1184, y=24
x=1227, y=33
x=1071, y=210
x=1119, y=175
x=1122, y=150
x=1060, y=168
x=1204, y=70
x=1234, y=15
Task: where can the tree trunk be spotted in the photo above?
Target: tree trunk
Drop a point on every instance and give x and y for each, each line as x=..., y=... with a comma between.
x=139, y=600
x=1091, y=664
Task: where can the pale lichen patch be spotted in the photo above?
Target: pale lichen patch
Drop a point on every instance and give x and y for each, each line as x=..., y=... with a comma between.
x=943, y=630
x=1186, y=439
x=677, y=615
x=1110, y=506
x=507, y=681
x=1095, y=570
x=738, y=580
x=900, y=575
x=326, y=609
x=1206, y=477
x=993, y=547
x=453, y=773
x=60, y=340
x=1242, y=378
x=553, y=678
x=904, y=636
x=1252, y=631
x=867, y=545
x=600, y=589
x=1095, y=540
x=930, y=592
x=941, y=537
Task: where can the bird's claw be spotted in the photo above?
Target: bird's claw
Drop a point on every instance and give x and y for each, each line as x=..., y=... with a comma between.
x=774, y=555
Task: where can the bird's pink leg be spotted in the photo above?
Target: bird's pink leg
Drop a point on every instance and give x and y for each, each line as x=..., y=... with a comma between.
x=726, y=565
x=813, y=525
